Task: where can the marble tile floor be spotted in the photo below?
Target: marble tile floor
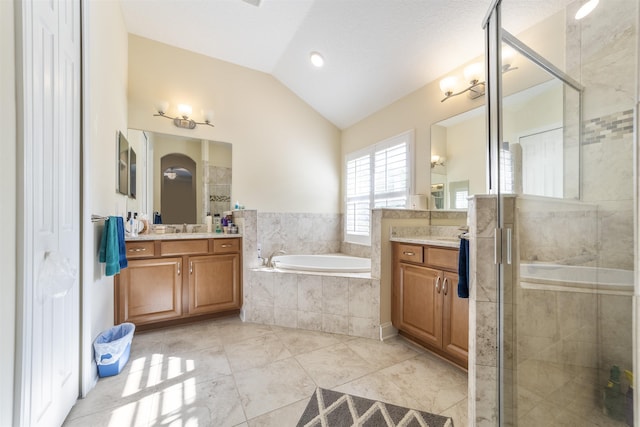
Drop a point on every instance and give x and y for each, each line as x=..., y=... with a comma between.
x=225, y=372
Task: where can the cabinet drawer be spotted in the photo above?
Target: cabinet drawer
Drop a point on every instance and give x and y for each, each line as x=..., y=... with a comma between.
x=140, y=249
x=226, y=245
x=443, y=258
x=184, y=247
x=411, y=253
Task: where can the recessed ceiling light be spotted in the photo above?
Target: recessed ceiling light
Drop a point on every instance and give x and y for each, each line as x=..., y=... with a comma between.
x=316, y=59
x=586, y=9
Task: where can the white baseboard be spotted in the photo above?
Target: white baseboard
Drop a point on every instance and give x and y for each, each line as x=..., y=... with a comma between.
x=387, y=331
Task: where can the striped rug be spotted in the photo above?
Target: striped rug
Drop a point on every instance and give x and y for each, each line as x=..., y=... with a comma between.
x=328, y=408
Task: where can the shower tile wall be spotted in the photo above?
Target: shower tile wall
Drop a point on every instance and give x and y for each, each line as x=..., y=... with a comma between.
x=217, y=189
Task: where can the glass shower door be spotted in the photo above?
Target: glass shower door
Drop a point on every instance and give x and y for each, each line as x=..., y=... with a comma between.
x=563, y=156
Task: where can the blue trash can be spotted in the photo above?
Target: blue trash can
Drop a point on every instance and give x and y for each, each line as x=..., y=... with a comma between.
x=112, y=348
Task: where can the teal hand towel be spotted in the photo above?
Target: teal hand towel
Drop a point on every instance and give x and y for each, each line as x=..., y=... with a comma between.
x=109, y=247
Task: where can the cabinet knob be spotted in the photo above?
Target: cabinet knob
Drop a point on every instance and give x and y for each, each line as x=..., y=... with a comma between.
x=137, y=249
x=438, y=284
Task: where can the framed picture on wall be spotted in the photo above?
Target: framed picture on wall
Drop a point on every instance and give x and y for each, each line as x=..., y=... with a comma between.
x=122, y=164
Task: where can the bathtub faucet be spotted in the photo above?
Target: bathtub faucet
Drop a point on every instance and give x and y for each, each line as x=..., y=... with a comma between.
x=269, y=260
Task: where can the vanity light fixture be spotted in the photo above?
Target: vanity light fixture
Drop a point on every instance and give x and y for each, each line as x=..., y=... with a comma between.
x=436, y=161
x=171, y=174
x=474, y=75
x=183, y=120
x=586, y=9
x=316, y=59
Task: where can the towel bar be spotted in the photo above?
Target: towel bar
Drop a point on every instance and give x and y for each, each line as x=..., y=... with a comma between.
x=98, y=218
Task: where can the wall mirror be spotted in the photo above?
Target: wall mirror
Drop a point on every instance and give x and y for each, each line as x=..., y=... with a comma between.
x=181, y=178
x=540, y=147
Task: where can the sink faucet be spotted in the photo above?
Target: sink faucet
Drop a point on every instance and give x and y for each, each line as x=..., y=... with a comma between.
x=269, y=260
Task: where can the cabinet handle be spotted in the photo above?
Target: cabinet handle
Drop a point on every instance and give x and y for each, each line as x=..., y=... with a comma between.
x=445, y=286
x=179, y=264
x=137, y=249
x=438, y=284
x=408, y=253
x=191, y=267
x=226, y=245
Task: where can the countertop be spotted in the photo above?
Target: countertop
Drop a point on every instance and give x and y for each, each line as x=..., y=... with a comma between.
x=447, y=242
x=180, y=236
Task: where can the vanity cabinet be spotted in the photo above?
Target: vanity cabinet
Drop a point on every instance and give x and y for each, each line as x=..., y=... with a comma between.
x=426, y=307
x=175, y=281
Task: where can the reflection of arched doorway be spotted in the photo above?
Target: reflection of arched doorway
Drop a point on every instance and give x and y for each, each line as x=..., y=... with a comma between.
x=178, y=189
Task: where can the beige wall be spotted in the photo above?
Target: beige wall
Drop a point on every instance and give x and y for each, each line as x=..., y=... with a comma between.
x=286, y=157
x=105, y=98
x=418, y=111
x=8, y=211
x=422, y=108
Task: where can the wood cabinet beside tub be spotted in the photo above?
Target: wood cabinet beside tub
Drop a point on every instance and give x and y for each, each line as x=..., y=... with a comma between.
x=176, y=281
x=426, y=307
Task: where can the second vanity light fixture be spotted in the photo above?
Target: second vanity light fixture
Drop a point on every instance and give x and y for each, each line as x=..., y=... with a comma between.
x=474, y=74
x=436, y=160
x=183, y=121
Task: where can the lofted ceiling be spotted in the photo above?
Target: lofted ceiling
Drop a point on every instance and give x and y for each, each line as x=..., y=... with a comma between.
x=375, y=51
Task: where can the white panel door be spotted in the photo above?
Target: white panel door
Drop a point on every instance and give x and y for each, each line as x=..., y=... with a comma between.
x=50, y=347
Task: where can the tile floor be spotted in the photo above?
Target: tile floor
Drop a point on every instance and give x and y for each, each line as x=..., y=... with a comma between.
x=228, y=373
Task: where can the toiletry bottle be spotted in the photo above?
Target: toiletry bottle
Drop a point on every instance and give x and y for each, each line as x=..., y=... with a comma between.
x=209, y=222
x=133, y=225
x=217, y=224
x=629, y=399
x=613, y=397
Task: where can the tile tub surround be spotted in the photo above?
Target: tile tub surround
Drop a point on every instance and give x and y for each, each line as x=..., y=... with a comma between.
x=345, y=304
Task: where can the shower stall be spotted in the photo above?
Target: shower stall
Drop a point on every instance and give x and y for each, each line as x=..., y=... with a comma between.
x=561, y=219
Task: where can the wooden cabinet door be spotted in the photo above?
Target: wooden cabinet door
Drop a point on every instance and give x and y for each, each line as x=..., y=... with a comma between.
x=419, y=303
x=214, y=283
x=150, y=290
x=455, y=320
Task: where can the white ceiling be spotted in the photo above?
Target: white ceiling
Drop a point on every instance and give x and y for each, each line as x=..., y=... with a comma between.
x=376, y=51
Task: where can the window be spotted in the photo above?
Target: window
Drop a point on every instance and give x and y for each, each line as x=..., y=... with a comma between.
x=379, y=176
x=459, y=194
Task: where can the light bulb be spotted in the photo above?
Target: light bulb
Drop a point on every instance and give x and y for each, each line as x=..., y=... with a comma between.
x=448, y=84
x=508, y=57
x=162, y=107
x=184, y=110
x=473, y=73
x=208, y=116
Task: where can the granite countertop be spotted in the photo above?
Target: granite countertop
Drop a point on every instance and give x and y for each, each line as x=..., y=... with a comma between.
x=447, y=242
x=180, y=236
